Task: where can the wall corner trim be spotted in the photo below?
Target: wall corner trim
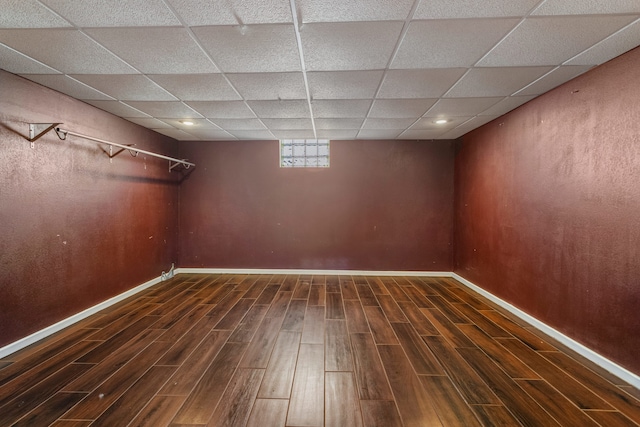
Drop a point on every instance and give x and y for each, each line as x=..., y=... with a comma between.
x=581, y=349
x=50, y=330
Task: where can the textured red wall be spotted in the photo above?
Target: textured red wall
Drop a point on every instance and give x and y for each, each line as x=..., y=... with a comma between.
x=548, y=209
x=75, y=228
x=382, y=205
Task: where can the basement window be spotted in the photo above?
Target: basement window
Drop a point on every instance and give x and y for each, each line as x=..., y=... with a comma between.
x=304, y=153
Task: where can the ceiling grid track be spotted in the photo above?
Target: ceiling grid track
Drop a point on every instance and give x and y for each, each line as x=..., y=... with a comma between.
x=204, y=51
x=293, y=69
x=403, y=33
x=296, y=25
x=80, y=30
x=522, y=20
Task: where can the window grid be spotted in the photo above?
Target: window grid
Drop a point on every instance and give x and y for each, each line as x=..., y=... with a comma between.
x=304, y=153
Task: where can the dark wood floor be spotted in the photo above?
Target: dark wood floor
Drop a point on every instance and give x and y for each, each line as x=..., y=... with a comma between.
x=224, y=350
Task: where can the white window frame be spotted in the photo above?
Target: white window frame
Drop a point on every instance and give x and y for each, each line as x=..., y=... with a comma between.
x=304, y=153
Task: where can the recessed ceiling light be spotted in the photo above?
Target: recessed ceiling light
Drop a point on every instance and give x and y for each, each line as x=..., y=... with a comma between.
x=186, y=122
x=441, y=121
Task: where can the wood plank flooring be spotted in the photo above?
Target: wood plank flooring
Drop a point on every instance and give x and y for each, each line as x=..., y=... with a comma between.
x=294, y=351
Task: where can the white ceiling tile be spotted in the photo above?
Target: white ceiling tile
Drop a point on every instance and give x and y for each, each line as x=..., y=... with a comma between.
x=353, y=10
x=222, y=109
x=442, y=9
x=210, y=134
x=272, y=86
x=121, y=13
x=338, y=123
x=552, y=40
x=421, y=134
x=28, y=14
x=156, y=50
x=478, y=121
x=455, y=133
x=607, y=49
x=449, y=43
x=451, y=107
x=379, y=133
x=324, y=108
x=589, y=7
x=506, y=105
x=349, y=46
x=159, y=59
x=198, y=124
x=294, y=134
x=286, y=124
x=387, y=123
x=18, y=63
x=251, y=48
x=468, y=126
x=431, y=83
x=337, y=134
x=68, y=86
x=429, y=123
x=176, y=134
x=164, y=109
x=344, y=84
x=149, y=122
x=400, y=108
x=239, y=124
x=233, y=12
x=67, y=50
x=553, y=79
x=492, y=82
x=285, y=109
x=253, y=134
x=197, y=87
x=118, y=108
x=126, y=87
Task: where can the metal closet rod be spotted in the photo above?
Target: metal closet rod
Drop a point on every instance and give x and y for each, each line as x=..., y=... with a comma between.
x=177, y=162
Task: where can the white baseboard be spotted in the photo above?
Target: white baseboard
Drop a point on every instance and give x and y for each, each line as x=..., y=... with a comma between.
x=312, y=272
x=581, y=349
x=50, y=330
x=584, y=351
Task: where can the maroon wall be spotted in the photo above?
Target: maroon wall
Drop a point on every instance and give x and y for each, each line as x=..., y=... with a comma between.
x=75, y=228
x=382, y=205
x=548, y=209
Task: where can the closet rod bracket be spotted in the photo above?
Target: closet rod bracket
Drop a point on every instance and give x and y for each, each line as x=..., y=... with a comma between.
x=134, y=151
x=111, y=154
x=36, y=130
x=175, y=163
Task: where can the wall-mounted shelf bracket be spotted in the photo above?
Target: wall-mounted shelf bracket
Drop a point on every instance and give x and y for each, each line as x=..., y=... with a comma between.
x=36, y=130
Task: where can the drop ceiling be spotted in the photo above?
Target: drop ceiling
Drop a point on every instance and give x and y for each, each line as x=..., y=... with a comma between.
x=336, y=69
